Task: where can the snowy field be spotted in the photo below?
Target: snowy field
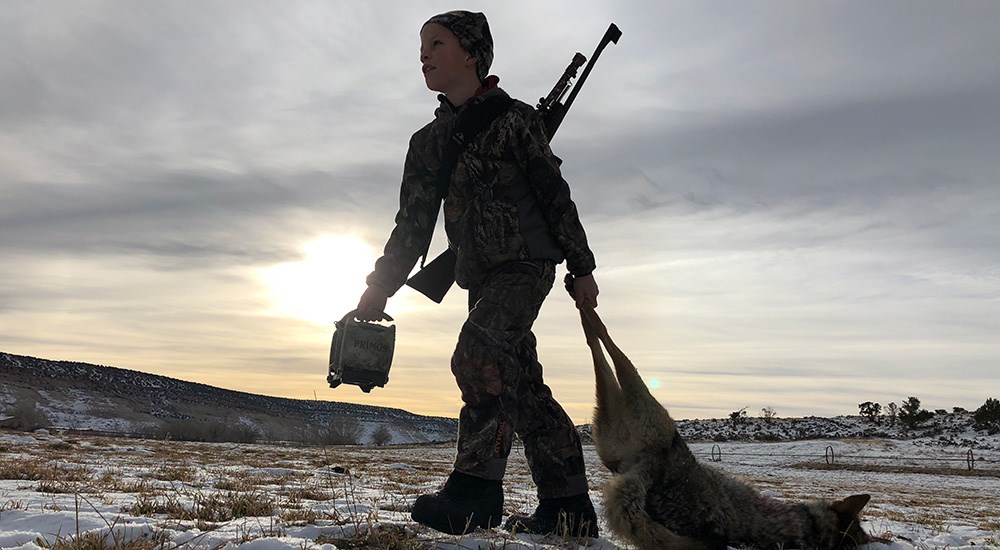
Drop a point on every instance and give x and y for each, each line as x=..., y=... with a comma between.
x=90, y=492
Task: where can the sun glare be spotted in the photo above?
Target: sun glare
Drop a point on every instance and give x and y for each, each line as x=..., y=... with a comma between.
x=325, y=284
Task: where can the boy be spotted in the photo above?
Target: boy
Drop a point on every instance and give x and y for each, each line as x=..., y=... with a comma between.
x=510, y=220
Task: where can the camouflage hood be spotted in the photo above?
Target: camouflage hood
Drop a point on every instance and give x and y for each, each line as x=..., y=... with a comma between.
x=473, y=32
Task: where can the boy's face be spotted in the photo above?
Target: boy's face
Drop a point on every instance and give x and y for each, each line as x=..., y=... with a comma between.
x=447, y=67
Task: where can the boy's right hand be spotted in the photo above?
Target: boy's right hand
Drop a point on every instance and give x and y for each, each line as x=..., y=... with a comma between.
x=372, y=304
x=583, y=289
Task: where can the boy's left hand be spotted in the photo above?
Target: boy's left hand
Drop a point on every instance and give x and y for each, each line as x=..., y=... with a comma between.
x=585, y=290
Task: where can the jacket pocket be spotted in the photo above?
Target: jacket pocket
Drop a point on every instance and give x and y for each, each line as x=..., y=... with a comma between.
x=498, y=234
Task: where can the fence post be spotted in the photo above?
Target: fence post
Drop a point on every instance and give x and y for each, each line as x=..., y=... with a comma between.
x=970, y=460
x=716, y=453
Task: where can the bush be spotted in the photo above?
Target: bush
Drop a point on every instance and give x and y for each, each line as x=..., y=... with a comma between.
x=870, y=411
x=911, y=415
x=381, y=436
x=739, y=417
x=27, y=416
x=212, y=432
x=988, y=416
x=891, y=412
x=340, y=431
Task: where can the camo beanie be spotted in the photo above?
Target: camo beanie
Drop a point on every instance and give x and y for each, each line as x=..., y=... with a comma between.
x=473, y=34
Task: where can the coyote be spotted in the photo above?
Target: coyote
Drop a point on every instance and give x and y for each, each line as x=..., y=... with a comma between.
x=662, y=497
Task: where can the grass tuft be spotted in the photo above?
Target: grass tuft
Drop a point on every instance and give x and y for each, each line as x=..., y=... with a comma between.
x=105, y=541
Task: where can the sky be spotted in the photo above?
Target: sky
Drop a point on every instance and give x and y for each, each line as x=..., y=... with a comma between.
x=792, y=204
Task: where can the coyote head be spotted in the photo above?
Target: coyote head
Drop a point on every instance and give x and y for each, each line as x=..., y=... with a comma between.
x=848, y=522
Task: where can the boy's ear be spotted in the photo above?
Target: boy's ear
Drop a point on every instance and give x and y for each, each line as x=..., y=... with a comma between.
x=471, y=66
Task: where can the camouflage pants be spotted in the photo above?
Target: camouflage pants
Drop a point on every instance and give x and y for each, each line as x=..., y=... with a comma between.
x=497, y=369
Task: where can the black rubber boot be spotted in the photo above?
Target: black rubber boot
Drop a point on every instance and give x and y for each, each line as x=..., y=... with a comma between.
x=465, y=503
x=564, y=517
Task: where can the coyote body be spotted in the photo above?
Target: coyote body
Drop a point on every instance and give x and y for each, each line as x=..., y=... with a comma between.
x=662, y=498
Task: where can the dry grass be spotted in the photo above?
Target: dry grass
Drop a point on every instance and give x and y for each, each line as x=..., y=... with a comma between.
x=151, y=504
x=176, y=472
x=206, y=485
x=13, y=505
x=37, y=469
x=216, y=507
x=298, y=494
x=391, y=538
x=57, y=487
x=899, y=469
x=104, y=541
x=935, y=521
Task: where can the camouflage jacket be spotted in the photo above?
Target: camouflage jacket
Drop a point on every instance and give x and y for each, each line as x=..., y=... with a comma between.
x=507, y=201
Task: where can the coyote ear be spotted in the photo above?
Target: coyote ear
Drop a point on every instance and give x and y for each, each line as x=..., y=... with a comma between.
x=851, y=505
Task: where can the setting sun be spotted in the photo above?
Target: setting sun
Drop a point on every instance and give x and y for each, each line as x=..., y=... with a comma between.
x=325, y=284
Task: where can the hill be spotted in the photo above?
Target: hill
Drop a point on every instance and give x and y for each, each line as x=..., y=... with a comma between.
x=81, y=396
x=85, y=397
x=954, y=429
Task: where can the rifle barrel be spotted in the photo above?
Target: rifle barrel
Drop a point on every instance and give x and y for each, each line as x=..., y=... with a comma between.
x=611, y=35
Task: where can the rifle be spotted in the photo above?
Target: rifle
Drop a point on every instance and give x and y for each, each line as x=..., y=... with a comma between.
x=435, y=279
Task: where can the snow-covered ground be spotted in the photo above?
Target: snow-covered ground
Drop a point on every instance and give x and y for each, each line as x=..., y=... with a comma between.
x=161, y=494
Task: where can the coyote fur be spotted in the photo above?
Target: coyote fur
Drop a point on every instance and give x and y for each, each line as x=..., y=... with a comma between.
x=662, y=498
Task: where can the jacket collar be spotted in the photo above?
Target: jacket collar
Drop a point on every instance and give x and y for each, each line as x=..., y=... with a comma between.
x=489, y=89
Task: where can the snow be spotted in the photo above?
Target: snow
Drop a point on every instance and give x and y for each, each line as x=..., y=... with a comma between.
x=923, y=495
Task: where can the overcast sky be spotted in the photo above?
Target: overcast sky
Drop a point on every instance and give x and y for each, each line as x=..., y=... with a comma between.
x=792, y=204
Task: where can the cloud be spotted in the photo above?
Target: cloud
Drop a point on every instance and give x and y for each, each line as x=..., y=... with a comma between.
x=778, y=195
x=180, y=215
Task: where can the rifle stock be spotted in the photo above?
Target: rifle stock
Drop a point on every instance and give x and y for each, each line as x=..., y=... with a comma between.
x=435, y=279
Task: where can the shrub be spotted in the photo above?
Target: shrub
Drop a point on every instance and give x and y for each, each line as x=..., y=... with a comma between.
x=738, y=417
x=870, y=411
x=214, y=432
x=988, y=416
x=891, y=412
x=911, y=415
x=381, y=436
x=27, y=416
x=340, y=431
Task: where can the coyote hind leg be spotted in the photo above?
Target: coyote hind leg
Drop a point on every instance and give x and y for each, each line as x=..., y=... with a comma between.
x=625, y=406
x=628, y=376
x=608, y=391
x=612, y=427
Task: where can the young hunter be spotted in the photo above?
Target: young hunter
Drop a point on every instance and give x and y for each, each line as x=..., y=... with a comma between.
x=510, y=220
